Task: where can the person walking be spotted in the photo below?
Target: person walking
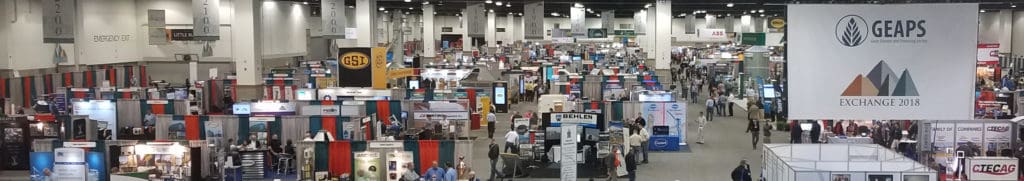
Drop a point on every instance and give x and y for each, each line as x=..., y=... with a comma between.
x=754, y=127
x=710, y=104
x=795, y=132
x=450, y=174
x=741, y=172
x=635, y=140
x=492, y=123
x=492, y=153
x=721, y=104
x=701, y=123
x=645, y=137
x=631, y=165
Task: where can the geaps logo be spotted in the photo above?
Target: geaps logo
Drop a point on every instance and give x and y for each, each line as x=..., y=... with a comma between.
x=854, y=30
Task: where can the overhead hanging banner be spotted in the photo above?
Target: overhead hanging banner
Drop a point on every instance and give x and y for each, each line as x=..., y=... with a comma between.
x=882, y=62
x=476, y=19
x=58, y=21
x=157, y=22
x=354, y=65
x=708, y=33
x=608, y=20
x=533, y=19
x=206, y=19
x=576, y=17
x=332, y=18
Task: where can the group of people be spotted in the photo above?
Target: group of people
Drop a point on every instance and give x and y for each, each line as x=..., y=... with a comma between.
x=436, y=173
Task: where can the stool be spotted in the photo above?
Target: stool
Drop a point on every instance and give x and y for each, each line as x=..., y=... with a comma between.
x=285, y=159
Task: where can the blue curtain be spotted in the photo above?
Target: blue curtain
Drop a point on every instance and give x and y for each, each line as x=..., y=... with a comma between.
x=446, y=148
x=243, y=129
x=413, y=146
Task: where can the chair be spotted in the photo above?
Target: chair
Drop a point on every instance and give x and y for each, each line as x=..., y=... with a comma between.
x=286, y=160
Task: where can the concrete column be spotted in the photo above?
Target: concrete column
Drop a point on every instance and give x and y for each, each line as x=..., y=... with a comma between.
x=663, y=35
x=746, y=24
x=711, y=22
x=245, y=42
x=1006, y=31
x=489, y=34
x=652, y=22
x=428, y=32
x=366, y=23
x=510, y=29
x=691, y=24
x=467, y=43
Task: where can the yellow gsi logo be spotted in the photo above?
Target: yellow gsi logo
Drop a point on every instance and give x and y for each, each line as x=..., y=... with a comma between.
x=354, y=60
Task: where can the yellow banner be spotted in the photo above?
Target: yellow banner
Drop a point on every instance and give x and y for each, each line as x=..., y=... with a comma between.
x=380, y=67
x=486, y=102
x=400, y=73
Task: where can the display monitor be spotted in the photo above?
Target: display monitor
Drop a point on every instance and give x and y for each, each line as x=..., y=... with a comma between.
x=769, y=92
x=577, y=58
x=553, y=133
x=414, y=84
x=592, y=134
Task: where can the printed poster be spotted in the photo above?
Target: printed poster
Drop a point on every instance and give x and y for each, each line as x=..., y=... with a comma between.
x=367, y=166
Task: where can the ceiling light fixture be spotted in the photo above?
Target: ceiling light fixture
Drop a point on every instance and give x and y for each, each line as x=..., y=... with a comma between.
x=426, y=2
x=762, y=15
x=647, y=6
x=305, y=2
x=760, y=10
x=520, y=14
x=578, y=5
x=488, y=1
x=982, y=11
x=598, y=15
x=499, y=3
x=753, y=11
x=351, y=7
x=509, y=5
x=380, y=9
x=1013, y=5
x=410, y=8
x=730, y=5
x=408, y=0
x=554, y=14
x=491, y=10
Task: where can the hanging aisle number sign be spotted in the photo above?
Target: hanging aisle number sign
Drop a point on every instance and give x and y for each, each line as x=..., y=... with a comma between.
x=332, y=18
x=533, y=19
x=206, y=19
x=58, y=21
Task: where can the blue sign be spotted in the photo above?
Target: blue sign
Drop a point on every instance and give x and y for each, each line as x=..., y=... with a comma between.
x=664, y=143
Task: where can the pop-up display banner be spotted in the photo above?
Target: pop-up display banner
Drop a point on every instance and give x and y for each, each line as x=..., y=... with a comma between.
x=882, y=62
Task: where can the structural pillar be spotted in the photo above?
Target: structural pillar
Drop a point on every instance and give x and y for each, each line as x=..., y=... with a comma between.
x=428, y=32
x=652, y=22
x=489, y=35
x=245, y=49
x=663, y=35
x=510, y=30
x=366, y=18
x=467, y=43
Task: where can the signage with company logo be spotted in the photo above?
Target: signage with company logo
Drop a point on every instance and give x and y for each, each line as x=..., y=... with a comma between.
x=401, y=73
x=597, y=33
x=272, y=108
x=582, y=119
x=355, y=67
x=438, y=115
x=882, y=62
x=705, y=33
x=181, y=34
x=992, y=168
x=988, y=53
x=777, y=23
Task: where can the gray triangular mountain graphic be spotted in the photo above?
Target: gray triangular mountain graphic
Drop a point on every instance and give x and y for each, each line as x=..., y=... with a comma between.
x=905, y=87
x=879, y=74
x=883, y=89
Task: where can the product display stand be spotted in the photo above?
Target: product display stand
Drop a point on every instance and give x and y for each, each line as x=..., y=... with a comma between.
x=253, y=164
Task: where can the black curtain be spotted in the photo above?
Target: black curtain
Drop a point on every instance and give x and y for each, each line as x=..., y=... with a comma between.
x=197, y=163
x=114, y=155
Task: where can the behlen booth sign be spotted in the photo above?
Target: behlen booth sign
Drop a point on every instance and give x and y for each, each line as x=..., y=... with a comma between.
x=912, y=61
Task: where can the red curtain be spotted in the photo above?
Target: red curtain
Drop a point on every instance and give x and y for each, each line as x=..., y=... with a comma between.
x=328, y=123
x=68, y=79
x=384, y=111
x=158, y=108
x=142, y=76
x=428, y=154
x=192, y=127
x=340, y=158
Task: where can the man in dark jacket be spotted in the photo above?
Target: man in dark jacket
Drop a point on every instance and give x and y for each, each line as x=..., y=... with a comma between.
x=795, y=132
x=815, y=132
x=631, y=165
x=742, y=172
x=492, y=153
x=754, y=127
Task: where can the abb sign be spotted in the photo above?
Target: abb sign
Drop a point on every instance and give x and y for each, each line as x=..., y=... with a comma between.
x=711, y=33
x=992, y=168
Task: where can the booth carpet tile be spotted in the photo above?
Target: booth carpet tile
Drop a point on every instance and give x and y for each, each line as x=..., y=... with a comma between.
x=726, y=143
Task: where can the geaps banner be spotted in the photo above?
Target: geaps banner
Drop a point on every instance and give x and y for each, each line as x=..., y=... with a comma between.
x=882, y=62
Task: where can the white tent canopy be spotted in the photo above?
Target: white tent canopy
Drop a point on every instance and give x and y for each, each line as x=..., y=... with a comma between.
x=800, y=162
